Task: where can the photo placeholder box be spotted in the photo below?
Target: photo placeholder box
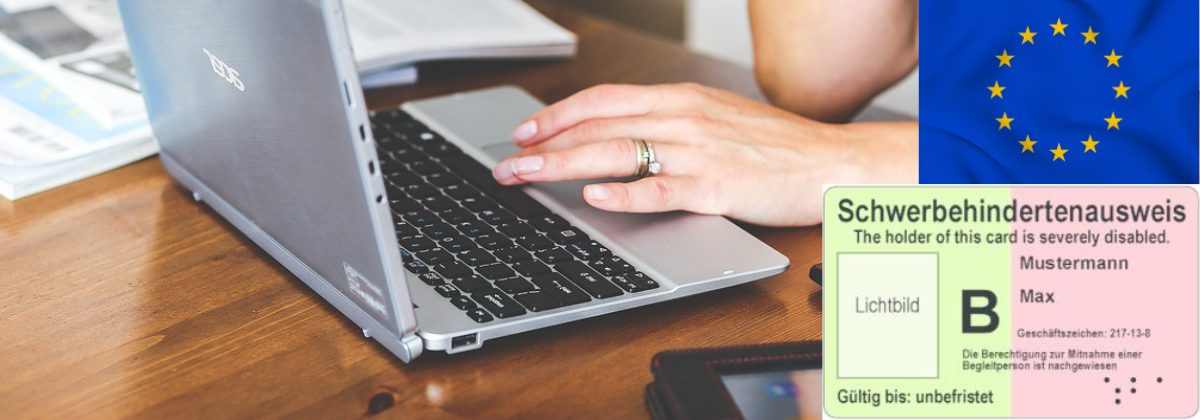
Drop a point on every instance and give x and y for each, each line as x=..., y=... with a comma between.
x=887, y=320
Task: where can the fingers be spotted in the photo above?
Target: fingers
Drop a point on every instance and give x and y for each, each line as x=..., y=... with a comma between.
x=613, y=158
x=603, y=101
x=647, y=195
x=659, y=129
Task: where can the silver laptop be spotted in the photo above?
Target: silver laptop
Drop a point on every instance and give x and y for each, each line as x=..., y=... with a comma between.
x=392, y=216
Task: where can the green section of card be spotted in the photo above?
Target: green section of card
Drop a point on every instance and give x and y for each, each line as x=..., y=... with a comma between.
x=887, y=341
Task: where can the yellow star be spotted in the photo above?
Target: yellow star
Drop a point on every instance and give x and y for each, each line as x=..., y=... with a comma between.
x=1058, y=153
x=1091, y=36
x=997, y=88
x=1112, y=122
x=1091, y=145
x=1112, y=58
x=1004, y=122
x=1028, y=145
x=1058, y=29
x=1120, y=90
x=1028, y=36
x=1005, y=59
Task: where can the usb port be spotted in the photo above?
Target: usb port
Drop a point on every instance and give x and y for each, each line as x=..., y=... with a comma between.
x=462, y=341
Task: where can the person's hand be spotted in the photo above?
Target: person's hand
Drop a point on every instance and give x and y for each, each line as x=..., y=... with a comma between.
x=720, y=153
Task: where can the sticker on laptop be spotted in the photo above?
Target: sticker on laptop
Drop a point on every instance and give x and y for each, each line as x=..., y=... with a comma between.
x=1010, y=302
x=370, y=294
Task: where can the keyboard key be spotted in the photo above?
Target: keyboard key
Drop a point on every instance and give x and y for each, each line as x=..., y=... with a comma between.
x=534, y=242
x=476, y=257
x=419, y=190
x=426, y=168
x=427, y=137
x=463, y=302
x=456, y=243
x=478, y=204
x=604, y=267
x=416, y=267
x=447, y=291
x=554, y=256
x=438, y=231
x=461, y=192
x=480, y=176
x=588, y=250
x=444, y=180
x=443, y=149
x=438, y=203
x=515, y=229
x=406, y=124
x=474, y=228
x=403, y=229
x=548, y=223
x=479, y=315
x=400, y=203
x=566, y=236
x=471, y=284
x=530, y=268
x=453, y=270
x=420, y=218
x=514, y=285
x=559, y=288
x=496, y=217
x=416, y=244
x=512, y=255
x=492, y=242
x=588, y=280
x=642, y=279
x=389, y=167
x=409, y=155
x=628, y=285
x=498, y=303
x=537, y=301
x=404, y=177
x=496, y=271
x=435, y=256
x=457, y=215
x=471, y=170
x=618, y=264
x=515, y=200
x=432, y=279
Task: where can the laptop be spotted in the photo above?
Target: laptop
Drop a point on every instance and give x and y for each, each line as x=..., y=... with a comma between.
x=392, y=216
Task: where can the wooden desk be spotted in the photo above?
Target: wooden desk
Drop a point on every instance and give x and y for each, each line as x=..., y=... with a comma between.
x=121, y=297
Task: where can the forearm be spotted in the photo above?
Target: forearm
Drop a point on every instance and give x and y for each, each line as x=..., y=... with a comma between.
x=826, y=59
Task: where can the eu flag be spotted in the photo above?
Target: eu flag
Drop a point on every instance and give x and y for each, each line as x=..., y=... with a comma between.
x=1060, y=91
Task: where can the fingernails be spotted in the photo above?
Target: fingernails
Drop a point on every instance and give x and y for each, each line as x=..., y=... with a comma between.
x=525, y=131
x=598, y=192
x=527, y=164
x=508, y=170
x=503, y=172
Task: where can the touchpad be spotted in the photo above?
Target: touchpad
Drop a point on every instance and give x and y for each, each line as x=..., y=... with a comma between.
x=498, y=152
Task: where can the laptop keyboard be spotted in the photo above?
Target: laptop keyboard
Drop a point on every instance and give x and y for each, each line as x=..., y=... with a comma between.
x=491, y=250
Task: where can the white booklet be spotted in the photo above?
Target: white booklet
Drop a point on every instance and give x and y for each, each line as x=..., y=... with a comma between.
x=387, y=33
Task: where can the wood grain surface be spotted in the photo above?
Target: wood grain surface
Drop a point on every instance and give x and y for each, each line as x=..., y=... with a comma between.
x=123, y=298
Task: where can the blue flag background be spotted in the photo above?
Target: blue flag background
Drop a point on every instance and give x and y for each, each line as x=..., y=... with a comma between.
x=1059, y=91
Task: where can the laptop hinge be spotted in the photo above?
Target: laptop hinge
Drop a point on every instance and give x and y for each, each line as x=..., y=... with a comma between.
x=413, y=347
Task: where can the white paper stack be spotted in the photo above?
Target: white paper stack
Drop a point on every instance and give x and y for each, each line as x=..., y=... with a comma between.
x=387, y=34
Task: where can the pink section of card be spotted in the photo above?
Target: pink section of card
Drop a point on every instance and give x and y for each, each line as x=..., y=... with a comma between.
x=1157, y=293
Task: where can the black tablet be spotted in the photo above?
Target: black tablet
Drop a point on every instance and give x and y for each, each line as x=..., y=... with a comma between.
x=767, y=382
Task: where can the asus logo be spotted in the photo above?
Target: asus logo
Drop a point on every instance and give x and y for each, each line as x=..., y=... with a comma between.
x=221, y=69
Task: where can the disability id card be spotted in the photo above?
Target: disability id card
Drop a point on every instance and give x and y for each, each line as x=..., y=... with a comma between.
x=1010, y=302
